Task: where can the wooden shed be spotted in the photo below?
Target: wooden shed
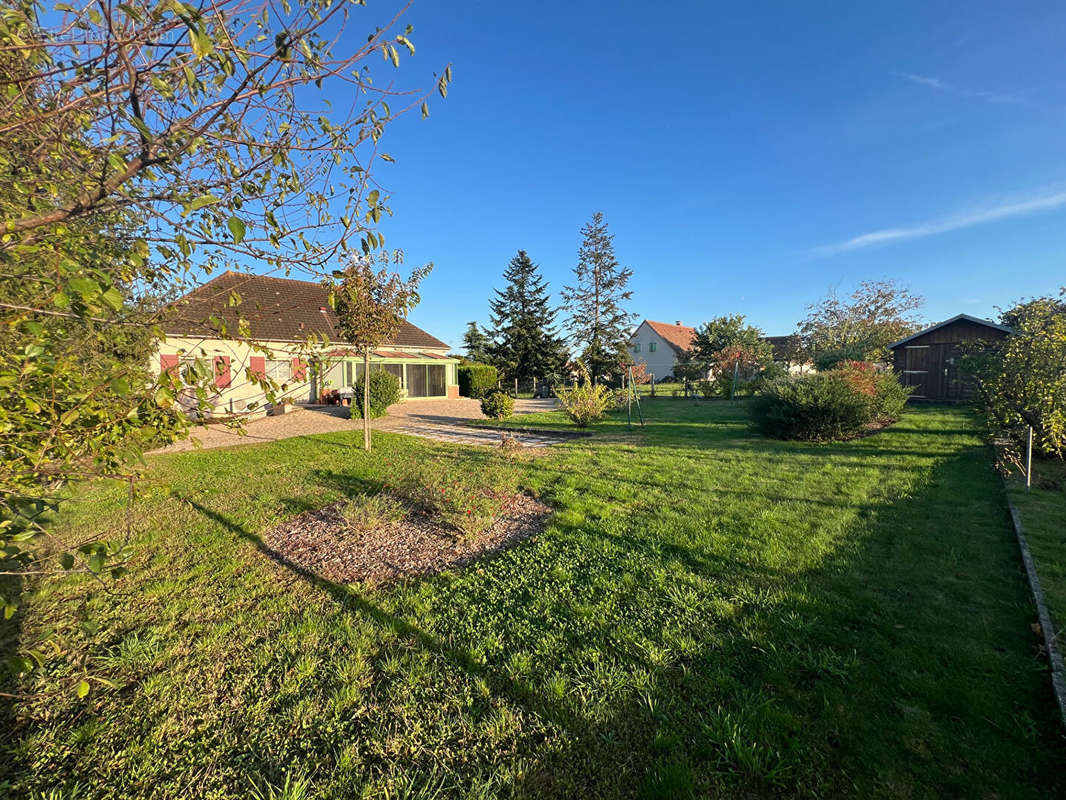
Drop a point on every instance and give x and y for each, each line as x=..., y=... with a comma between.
x=929, y=359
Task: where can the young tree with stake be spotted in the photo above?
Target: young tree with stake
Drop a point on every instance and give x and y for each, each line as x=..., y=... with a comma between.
x=371, y=305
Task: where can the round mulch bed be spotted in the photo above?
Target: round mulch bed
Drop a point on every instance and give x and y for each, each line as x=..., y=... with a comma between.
x=321, y=542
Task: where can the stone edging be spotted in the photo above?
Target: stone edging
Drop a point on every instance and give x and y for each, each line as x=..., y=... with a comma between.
x=1058, y=670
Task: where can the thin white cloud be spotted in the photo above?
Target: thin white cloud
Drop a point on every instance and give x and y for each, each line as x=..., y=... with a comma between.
x=1021, y=208
x=961, y=91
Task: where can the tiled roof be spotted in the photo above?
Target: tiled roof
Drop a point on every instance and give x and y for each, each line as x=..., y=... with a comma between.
x=277, y=309
x=678, y=336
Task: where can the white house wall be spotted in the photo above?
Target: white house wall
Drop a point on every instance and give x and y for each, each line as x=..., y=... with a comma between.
x=659, y=363
x=243, y=395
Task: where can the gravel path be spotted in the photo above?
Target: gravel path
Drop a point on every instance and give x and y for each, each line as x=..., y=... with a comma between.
x=431, y=419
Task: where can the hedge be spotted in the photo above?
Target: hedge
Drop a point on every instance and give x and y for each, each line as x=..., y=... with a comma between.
x=477, y=380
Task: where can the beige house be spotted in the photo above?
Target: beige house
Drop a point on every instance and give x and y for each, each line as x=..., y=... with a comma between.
x=658, y=344
x=294, y=340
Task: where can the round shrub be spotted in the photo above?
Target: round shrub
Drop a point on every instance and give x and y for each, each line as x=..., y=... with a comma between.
x=384, y=391
x=813, y=407
x=497, y=405
x=477, y=380
x=585, y=403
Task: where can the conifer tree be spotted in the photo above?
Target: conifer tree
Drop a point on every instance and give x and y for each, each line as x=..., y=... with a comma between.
x=527, y=344
x=598, y=324
x=477, y=344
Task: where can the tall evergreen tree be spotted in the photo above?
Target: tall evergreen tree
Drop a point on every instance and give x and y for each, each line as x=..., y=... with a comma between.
x=598, y=324
x=527, y=344
x=477, y=344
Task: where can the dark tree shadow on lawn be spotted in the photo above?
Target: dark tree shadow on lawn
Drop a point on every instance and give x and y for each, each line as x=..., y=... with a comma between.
x=902, y=664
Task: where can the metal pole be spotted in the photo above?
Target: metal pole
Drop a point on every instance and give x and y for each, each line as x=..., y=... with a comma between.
x=629, y=399
x=733, y=391
x=1029, y=461
x=653, y=384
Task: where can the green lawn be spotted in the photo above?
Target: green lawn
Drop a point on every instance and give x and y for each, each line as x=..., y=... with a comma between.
x=709, y=614
x=1043, y=513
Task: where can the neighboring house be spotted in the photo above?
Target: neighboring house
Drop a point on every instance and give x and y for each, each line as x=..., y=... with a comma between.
x=658, y=344
x=928, y=361
x=283, y=315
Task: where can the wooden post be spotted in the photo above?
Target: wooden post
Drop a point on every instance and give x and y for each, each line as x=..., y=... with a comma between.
x=516, y=388
x=652, y=384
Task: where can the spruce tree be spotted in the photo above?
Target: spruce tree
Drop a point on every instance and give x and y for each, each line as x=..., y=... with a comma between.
x=526, y=345
x=477, y=344
x=598, y=324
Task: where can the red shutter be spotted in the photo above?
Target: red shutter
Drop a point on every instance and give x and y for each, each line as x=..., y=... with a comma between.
x=221, y=371
x=168, y=364
x=257, y=366
x=299, y=369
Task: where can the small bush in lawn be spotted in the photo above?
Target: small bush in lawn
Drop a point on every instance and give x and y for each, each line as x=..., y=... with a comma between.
x=814, y=407
x=585, y=403
x=477, y=380
x=497, y=405
x=710, y=389
x=367, y=512
x=384, y=391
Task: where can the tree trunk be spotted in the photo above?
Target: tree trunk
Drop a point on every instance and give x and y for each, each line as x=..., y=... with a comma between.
x=366, y=399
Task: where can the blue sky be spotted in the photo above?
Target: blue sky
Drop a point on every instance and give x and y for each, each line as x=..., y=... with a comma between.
x=748, y=157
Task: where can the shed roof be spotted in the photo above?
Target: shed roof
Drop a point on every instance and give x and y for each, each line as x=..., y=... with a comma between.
x=956, y=318
x=277, y=309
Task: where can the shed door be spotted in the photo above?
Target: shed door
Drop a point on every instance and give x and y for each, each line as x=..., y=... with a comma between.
x=916, y=367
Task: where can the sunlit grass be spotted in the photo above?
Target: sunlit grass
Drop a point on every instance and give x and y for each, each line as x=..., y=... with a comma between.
x=708, y=614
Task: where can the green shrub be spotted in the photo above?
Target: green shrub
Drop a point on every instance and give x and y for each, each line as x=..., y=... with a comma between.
x=710, y=389
x=384, y=391
x=497, y=405
x=812, y=407
x=891, y=397
x=477, y=380
x=585, y=403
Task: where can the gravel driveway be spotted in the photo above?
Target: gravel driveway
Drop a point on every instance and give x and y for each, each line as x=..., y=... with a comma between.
x=431, y=419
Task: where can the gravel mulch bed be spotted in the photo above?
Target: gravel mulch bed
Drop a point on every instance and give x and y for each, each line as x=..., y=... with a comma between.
x=321, y=542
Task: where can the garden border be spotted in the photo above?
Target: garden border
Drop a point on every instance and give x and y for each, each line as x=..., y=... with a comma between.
x=1058, y=670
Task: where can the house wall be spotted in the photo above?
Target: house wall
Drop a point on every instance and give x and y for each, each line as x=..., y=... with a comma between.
x=240, y=394
x=660, y=363
x=930, y=363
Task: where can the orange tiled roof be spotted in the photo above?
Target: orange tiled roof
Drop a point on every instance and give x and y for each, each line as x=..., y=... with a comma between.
x=678, y=336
